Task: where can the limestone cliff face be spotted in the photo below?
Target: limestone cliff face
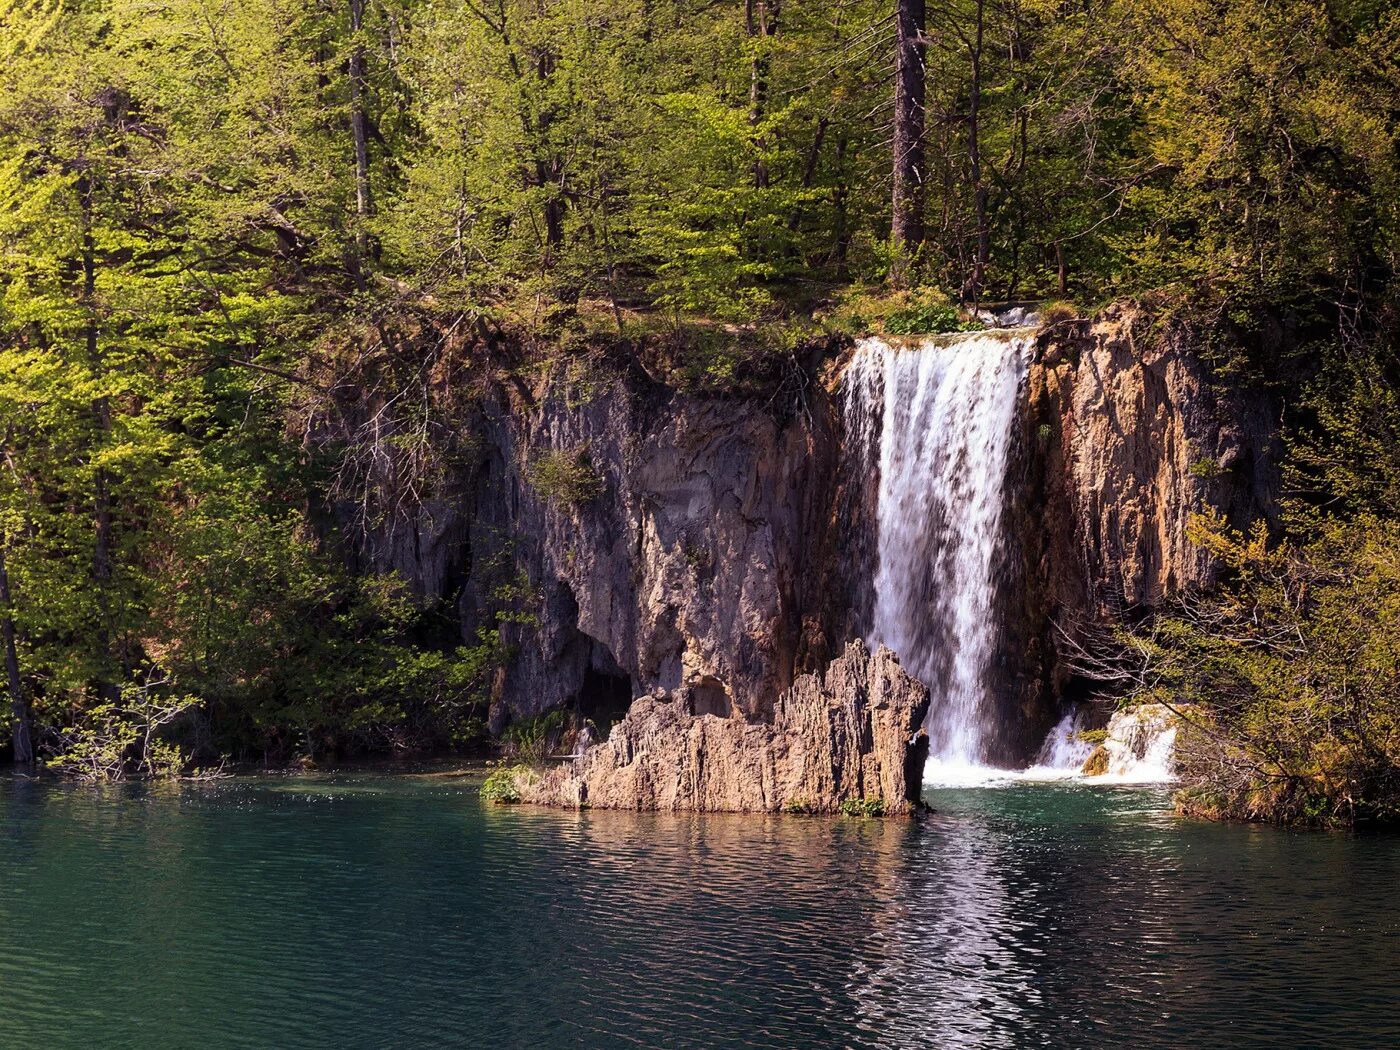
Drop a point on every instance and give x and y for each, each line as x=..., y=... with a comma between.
x=696, y=557
x=1127, y=436
x=722, y=546
x=849, y=733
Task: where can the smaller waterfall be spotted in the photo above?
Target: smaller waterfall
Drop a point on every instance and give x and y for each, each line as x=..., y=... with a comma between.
x=1140, y=747
x=939, y=417
x=1063, y=752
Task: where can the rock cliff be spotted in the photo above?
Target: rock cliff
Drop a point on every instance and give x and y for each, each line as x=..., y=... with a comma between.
x=689, y=548
x=849, y=734
x=1135, y=436
x=691, y=568
x=1127, y=435
x=711, y=549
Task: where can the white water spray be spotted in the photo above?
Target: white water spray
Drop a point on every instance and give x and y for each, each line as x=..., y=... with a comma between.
x=945, y=411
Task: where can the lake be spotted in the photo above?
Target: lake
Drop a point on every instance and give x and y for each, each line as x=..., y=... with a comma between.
x=369, y=910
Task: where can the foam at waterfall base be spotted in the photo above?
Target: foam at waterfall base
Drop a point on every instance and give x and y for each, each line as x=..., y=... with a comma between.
x=1061, y=759
x=963, y=773
x=960, y=773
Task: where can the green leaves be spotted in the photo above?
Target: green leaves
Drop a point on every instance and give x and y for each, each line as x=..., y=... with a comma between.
x=1263, y=123
x=1292, y=672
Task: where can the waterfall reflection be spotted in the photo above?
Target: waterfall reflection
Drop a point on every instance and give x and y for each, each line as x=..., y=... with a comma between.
x=944, y=972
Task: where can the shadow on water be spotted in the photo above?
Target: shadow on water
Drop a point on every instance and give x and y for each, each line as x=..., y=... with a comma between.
x=364, y=911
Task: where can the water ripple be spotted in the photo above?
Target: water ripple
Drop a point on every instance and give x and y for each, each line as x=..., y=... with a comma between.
x=363, y=912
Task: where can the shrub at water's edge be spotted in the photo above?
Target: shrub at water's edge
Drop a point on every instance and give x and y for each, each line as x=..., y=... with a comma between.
x=1293, y=671
x=502, y=786
x=863, y=807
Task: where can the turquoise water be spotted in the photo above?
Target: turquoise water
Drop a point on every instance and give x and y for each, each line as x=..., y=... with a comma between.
x=376, y=911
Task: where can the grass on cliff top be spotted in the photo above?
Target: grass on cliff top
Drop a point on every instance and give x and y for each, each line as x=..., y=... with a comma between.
x=861, y=310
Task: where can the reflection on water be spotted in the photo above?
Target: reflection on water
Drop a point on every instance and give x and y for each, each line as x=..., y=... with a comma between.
x=357, y=911
x=963, y=923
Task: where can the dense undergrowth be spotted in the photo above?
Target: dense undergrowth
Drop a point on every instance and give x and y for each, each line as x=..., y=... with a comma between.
x=1290, y=675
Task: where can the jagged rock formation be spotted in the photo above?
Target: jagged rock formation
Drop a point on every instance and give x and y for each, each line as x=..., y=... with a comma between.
x=1134, y=437
x=1126, y=436
x=849, y=733
x=687, y=572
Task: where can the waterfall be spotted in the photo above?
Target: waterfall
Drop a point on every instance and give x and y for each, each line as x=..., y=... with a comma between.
x=938, y=420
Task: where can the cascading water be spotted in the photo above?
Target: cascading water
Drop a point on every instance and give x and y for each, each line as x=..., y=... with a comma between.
x=944, y=412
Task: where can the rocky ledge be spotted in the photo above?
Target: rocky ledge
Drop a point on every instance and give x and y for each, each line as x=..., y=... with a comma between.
x=847, y=737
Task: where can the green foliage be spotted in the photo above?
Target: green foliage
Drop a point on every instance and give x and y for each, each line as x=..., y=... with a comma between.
x=565, y=477
x=224, y=344
x=1092, y=736
x=502, y=785
x=532, y=739
x=711, y=359
x=1345, y=449
x=1294, y=669
x=863, y=807
x=922, y=311
x=1276, y=173
x=1204, y=468
x=1059, y=311
x=928, y=320
x=114, y=741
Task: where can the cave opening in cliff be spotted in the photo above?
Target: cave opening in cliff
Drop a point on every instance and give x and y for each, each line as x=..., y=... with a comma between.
x=603, y=698
x=709, y=697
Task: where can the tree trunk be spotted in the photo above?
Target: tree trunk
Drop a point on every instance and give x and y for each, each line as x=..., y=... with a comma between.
x=102, y=417
x=21, y=729
x=907, y=224
x=547, y=175
x=809, y=172
x=359, y=128
x=761, y=24
x=549, y=168
x=841, y=227
x=977, y=276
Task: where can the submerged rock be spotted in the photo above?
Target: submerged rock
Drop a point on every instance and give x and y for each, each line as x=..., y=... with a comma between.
x=851, y=734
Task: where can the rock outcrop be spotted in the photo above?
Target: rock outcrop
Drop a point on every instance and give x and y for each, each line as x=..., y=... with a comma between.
x=712, y=547
x=695, y=556
x=1134, y=437
x=1127, y=436
x=851, y=734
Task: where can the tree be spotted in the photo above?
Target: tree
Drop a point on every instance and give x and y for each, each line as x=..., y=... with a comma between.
x=907, y=195
x=21, y=719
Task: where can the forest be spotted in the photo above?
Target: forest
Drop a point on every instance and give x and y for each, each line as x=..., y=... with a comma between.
x=226, y=226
